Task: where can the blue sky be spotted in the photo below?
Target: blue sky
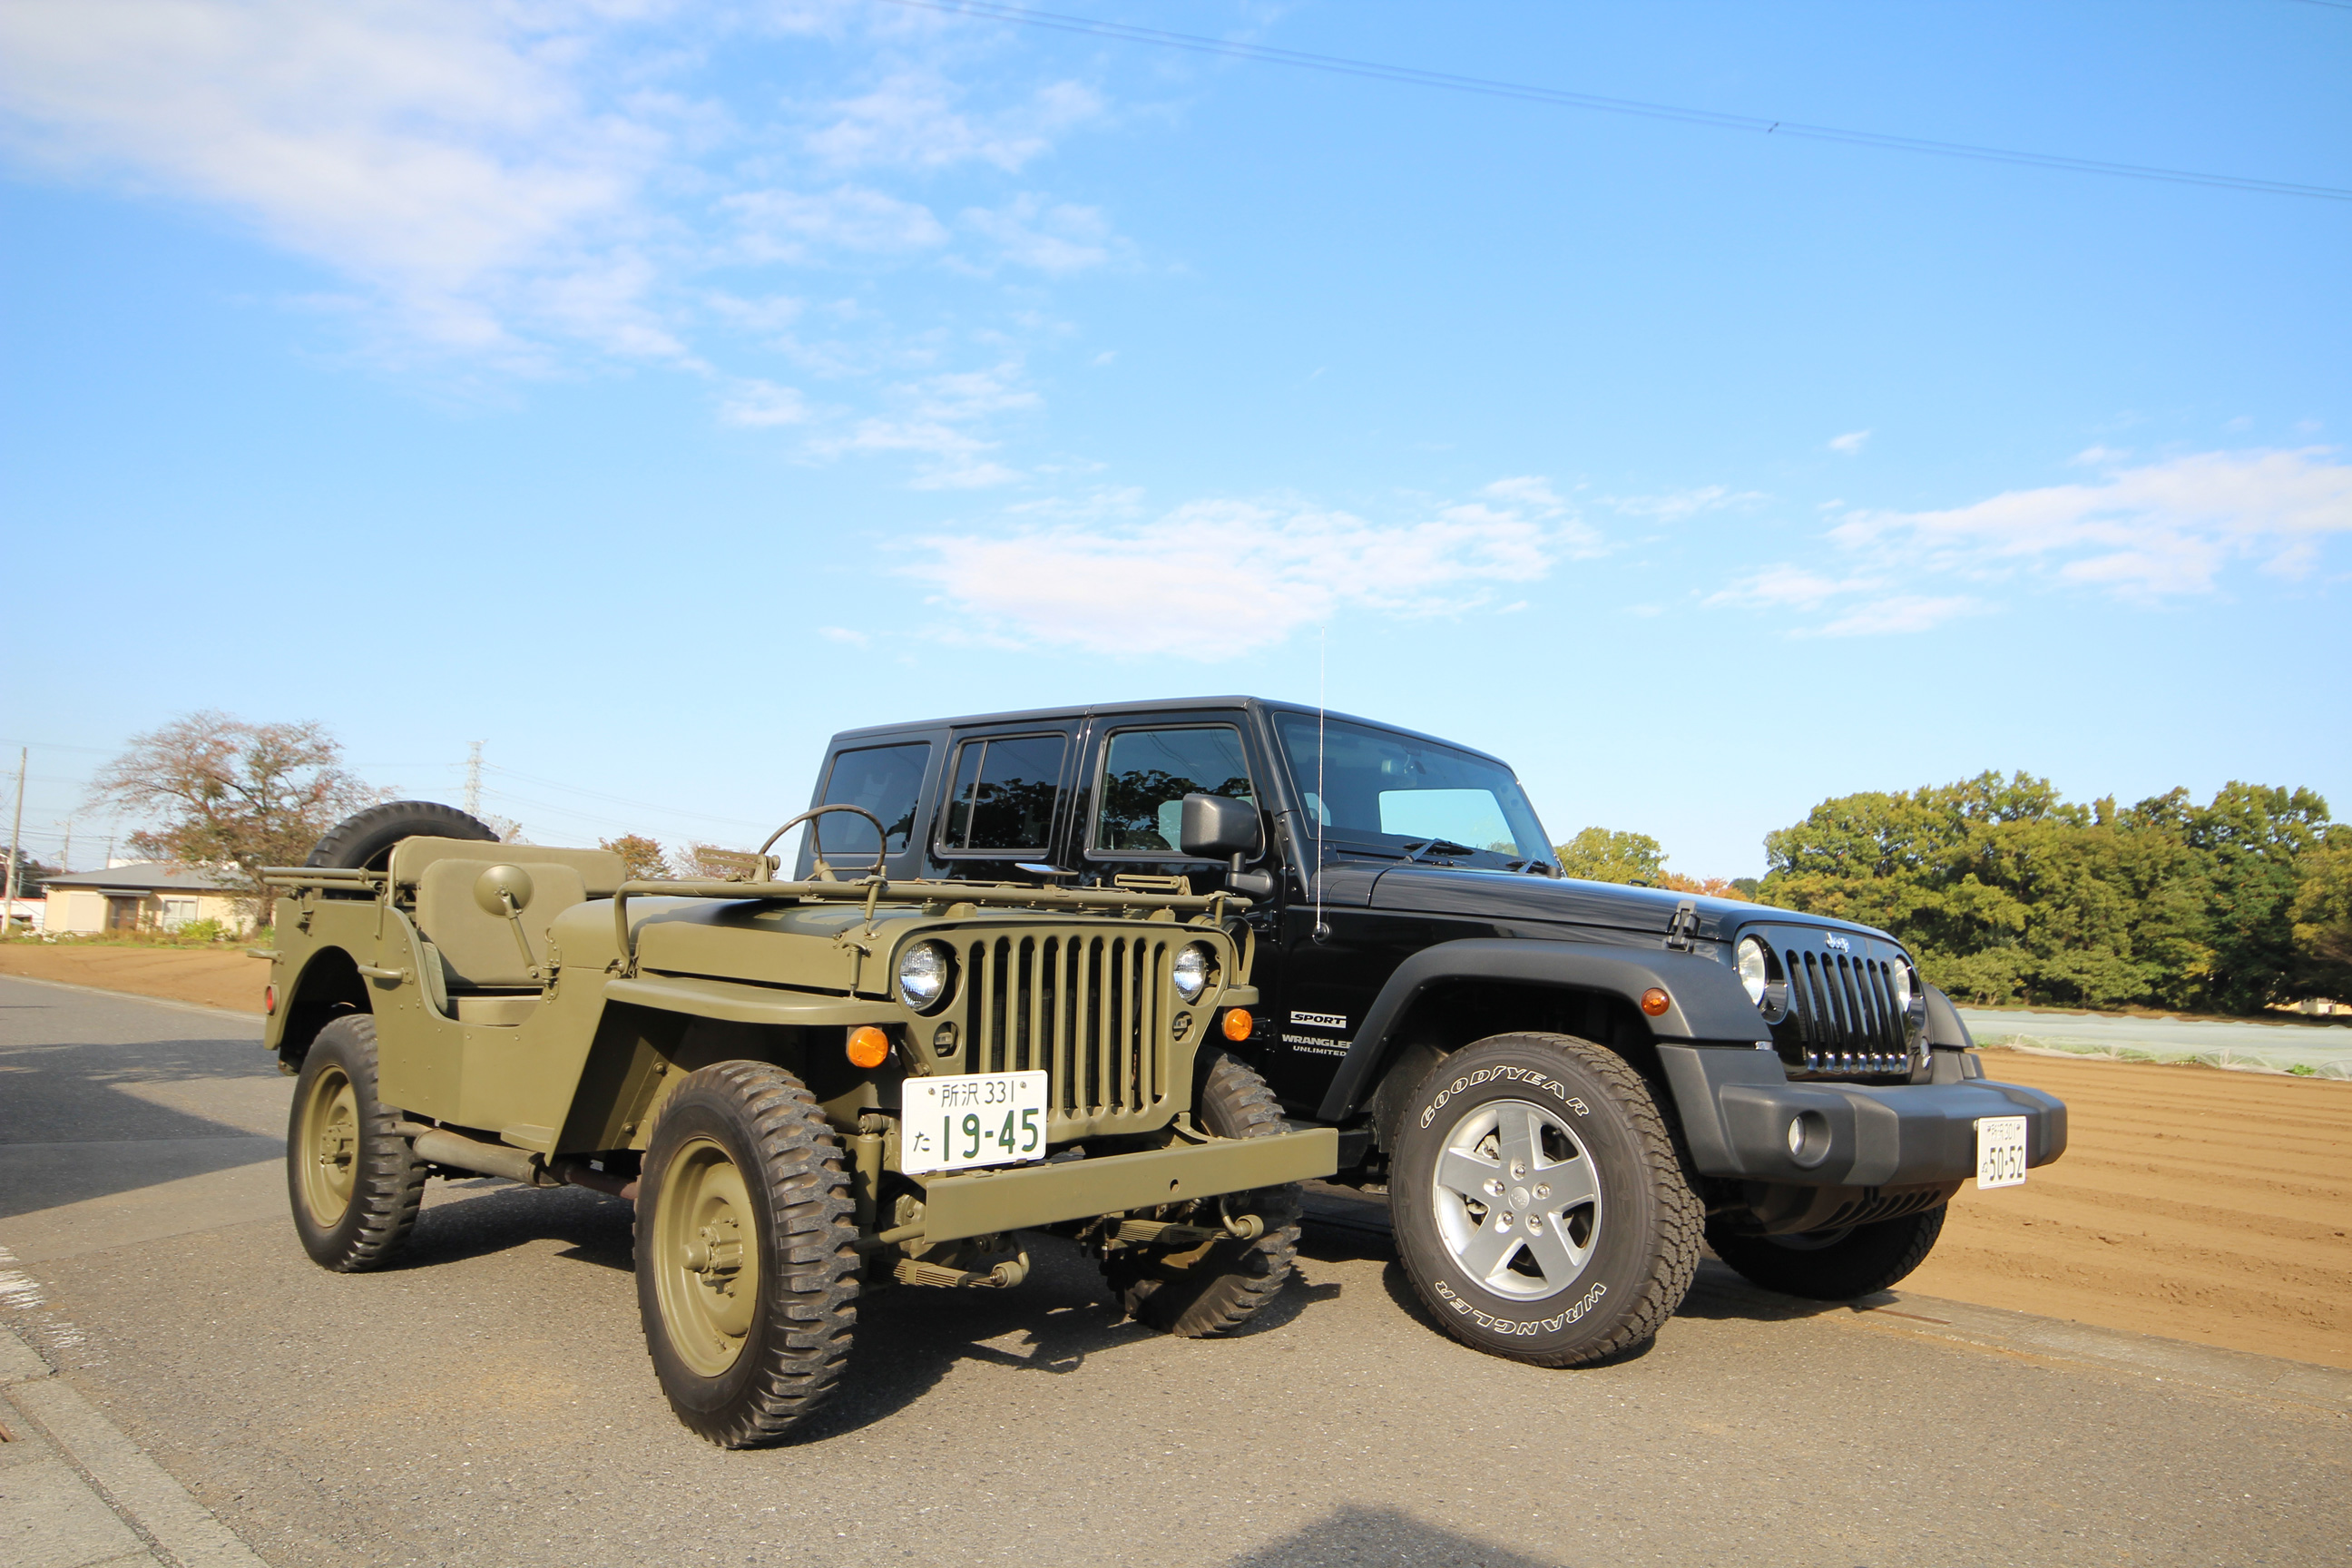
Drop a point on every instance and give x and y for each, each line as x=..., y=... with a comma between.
x=650, y=389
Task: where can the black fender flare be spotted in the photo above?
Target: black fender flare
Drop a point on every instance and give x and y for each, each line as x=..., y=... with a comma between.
x=1705, y=1001
x=1944, y=1026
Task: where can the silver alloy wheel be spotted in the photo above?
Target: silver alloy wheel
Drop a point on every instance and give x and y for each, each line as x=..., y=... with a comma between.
x=1516, y=1199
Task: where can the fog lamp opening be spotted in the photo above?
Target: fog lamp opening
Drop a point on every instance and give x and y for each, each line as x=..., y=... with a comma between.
x=1809, y=1137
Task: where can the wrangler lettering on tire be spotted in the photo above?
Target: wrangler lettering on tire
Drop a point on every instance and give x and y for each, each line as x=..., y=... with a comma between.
x=1541, y=1210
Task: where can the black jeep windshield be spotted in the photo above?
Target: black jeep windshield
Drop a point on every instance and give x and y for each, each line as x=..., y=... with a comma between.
x=1377, y=790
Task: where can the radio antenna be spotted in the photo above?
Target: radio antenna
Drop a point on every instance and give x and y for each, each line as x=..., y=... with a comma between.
x=1322, y=810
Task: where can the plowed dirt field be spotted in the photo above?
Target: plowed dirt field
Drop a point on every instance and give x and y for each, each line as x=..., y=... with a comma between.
x=2193, y=1203
x=208, y=975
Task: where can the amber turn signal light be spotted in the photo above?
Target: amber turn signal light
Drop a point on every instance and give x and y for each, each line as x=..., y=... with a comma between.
x=1655, y=1001
x=868, y=1046
x=269, y=1000
x=1238, y=1024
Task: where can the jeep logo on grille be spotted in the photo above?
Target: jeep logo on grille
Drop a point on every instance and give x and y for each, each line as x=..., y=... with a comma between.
x=1838, y=943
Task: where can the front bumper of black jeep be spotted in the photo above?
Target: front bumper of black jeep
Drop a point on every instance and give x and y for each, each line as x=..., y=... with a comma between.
x=1737, y=1106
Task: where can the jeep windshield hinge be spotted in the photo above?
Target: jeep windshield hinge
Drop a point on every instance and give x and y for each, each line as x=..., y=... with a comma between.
x=1683, y=927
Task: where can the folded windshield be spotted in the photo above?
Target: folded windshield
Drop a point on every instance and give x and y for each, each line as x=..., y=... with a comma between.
x=1378, y=791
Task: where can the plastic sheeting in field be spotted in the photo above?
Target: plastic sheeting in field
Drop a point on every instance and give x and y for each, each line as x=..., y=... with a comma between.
x=2310, y=1050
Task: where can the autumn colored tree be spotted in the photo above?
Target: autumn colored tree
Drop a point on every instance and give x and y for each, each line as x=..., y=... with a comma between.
x=218, y=791
x=640, y=855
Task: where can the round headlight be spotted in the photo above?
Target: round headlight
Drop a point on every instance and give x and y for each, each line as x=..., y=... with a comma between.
x=1754, y=974
x=1191, y=972
x=1898, y=974
x=924, y=970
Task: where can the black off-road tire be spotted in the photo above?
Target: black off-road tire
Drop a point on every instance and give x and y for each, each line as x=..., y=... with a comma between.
x=364, y=841
x=800, y=1280
x=1215, y=1287
x=353, y=1181
x=1589, y=1111
x=1830, y=1265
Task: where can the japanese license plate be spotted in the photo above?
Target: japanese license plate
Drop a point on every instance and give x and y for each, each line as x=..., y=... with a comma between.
x=981, y=1119
x=2000, y=1151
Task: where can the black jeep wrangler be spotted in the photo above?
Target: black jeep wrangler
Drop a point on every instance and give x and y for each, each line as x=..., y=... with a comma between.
x=1562, y=1084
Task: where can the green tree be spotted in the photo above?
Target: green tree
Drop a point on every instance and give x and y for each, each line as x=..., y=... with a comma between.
x=223, y=793
x=2322, y=917
x=1602, y=854
x=2007, y=893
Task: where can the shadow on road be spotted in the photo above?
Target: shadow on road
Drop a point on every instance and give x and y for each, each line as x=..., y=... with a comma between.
x=909, y=1337
x=1349, y=1537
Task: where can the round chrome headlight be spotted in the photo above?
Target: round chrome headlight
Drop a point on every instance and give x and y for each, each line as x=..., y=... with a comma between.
x=1898, y=974
x=1755, y=971
x=924, y=972
x=1192, y=970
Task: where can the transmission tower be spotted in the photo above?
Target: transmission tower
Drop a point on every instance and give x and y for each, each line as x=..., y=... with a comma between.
x=474, y=779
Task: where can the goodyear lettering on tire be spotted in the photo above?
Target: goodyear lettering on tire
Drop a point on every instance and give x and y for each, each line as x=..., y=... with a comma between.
x=1532, y=1076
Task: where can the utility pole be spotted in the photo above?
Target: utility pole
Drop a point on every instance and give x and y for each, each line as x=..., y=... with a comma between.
x=15, y=832
x=474, y=779
x=65, y=855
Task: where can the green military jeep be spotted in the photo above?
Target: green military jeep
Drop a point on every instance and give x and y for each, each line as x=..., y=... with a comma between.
x=809, y=1089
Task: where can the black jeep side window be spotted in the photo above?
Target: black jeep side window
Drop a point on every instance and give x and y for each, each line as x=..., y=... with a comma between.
x=1147, y=773
x=887, y=780
x=1003, y=797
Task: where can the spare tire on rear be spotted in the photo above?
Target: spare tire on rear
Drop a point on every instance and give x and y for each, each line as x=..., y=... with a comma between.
x=364, y=841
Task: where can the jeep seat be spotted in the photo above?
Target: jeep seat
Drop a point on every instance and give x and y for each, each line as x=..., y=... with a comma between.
x=479, y=951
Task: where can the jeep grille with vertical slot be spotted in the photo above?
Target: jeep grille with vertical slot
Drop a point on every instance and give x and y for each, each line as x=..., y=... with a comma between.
x=1843, y=1021
x=1093, y=1011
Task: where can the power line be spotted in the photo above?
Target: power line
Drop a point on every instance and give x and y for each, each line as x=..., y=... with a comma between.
x=1413, y=75
x=619, y=799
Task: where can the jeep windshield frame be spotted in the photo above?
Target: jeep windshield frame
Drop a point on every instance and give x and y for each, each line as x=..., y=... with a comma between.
x=1401, y=796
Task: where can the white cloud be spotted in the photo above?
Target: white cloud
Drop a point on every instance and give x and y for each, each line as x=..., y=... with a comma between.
x=1052, y=236
x=1788, y=587
x=1676, y=505
x=1902, y=613
x=760, y=404
x=2164, y=528
x=911, y=120
x=791, y=226
x=1850, y=442
x=435, y=151
x=1137, y=589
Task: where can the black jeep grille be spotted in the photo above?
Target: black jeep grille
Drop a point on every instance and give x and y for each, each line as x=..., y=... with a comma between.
x=1091, y=1011
x=1843, y=1021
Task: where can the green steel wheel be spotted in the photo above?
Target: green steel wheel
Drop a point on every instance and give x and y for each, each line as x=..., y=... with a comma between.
x=746, y=1256
x=353, y=1181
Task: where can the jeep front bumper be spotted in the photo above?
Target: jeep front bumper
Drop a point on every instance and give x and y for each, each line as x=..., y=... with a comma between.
x=1736, y=1105
x=1019, y=1197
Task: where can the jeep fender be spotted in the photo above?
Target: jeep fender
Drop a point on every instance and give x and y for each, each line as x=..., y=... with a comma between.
x=1705, y=1001
x=1945, y=1029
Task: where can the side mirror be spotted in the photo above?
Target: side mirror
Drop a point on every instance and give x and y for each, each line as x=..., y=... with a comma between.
x=1215, y=826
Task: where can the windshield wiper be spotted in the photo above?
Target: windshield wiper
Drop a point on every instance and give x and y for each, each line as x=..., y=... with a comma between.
x=1413, y=852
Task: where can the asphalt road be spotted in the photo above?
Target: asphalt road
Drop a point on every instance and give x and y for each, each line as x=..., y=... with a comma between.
x=489, y=1403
